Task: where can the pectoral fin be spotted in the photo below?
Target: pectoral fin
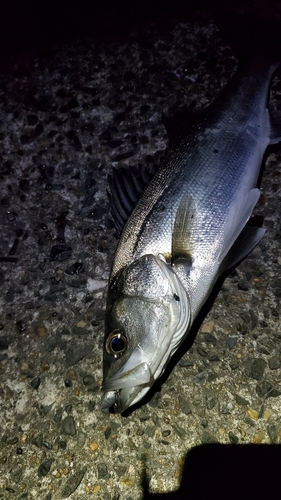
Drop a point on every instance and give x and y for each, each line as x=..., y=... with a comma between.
x=182, y=231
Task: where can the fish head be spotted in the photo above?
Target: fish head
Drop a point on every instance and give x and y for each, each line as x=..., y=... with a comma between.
x=148, y=314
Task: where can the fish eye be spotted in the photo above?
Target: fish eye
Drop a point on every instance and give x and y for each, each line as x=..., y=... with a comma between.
x=116, y=343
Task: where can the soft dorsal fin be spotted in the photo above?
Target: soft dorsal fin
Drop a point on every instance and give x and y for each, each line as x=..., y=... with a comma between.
x=179, y=122
x=127, y=185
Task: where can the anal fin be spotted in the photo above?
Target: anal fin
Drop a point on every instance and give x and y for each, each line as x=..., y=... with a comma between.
x=244, y=244
x=238, y=222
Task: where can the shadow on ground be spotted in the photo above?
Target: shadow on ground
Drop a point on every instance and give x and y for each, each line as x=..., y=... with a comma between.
x=228, y=472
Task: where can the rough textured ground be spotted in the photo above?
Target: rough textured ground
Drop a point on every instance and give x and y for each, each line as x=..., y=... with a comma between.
x=69, y=113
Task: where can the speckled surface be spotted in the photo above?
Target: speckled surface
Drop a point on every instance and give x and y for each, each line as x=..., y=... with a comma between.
x=69, y=112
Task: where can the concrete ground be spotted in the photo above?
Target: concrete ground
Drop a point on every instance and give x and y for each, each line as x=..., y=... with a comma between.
x=69, y=112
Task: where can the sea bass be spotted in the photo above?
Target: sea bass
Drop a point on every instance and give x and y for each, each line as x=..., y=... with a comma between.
x=187, y=229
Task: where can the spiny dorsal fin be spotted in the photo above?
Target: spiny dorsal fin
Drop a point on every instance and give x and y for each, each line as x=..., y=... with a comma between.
x=127, y=185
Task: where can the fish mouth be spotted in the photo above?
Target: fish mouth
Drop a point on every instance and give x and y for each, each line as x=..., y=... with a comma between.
x=126, y=387
x=118, y=401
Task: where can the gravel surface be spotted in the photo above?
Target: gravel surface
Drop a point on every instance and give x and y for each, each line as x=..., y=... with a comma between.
x=69, y=112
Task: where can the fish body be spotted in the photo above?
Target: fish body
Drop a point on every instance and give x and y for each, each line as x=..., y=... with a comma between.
x=186, y=230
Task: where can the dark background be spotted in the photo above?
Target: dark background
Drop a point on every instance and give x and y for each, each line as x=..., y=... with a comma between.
x=26, y=24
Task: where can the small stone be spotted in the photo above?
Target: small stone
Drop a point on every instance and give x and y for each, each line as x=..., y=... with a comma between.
x=76, y=353
x=232, y=438
x=81, y=439
x=44, y=468
x=202, y=352
x=89, y=380
x=59, y=253
x=272, y=432
x=258, y=437
x=242, y=286
x=103, y=471
x=41, y=331
x=210, y=403
x=73, y=482
x=68, y=426
x=200, y=378
x=273, y=393
x=241, y=401
x=107, y=432
x=179, y=430
x=94, y=446
x=35, y=383
x=263, y=388
x=186, y=363
x=231, y=342
x=213, y=358
x=4, y=343
x=38, y=441
x=208, y=326
x=208, y=438
x=185, y=405
x=255, y=368
x=71, y=374
x=81, y=324
x=252, y=413
x=12, y=440
x=274, y=363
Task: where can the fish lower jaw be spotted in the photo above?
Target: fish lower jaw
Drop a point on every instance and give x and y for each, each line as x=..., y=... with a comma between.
x=119, y=400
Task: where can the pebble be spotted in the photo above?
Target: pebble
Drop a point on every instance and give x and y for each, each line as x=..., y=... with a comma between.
x=272, y=432
x=241, y=401
x=81, y=439
x=252, y=413
x=38, y=441
x=233, y=439
x=274, y=363
x=231, y=342
x=263, y=388
x=35, y=383
x=41, y=331
x=208, y=326
x=185, y=405
x=103, y=471
x=4, y=344
x=255, y=367
x=68, y=426
x=258, y=437
x=208, y=438
x=45, y=467
x=73, y=482
x=77, y=352
x=94, y=446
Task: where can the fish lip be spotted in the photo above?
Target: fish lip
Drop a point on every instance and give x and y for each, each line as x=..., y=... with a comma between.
x=111, y=401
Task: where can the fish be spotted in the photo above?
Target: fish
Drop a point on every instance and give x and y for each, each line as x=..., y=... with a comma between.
x=186, y=225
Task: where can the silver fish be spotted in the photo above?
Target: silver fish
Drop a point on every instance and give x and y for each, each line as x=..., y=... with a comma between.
x=187, y=229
